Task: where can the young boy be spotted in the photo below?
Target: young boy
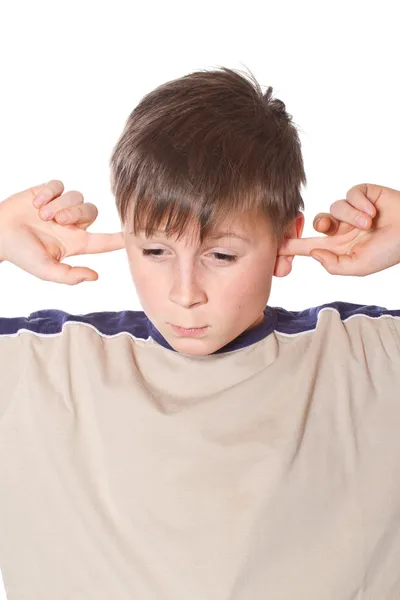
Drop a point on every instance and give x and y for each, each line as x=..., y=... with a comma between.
x=210, y=447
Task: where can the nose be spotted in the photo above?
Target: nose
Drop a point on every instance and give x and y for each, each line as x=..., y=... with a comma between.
x=187, y=289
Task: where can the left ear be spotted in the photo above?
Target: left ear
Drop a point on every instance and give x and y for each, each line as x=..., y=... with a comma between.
x=283, y=264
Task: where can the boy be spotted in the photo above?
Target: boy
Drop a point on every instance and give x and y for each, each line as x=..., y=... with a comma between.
x=253, y=454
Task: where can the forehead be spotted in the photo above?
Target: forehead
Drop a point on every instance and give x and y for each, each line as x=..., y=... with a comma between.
x=245, y=227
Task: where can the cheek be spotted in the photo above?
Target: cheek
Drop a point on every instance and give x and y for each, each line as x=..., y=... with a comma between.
x=140, y=276
x=251, y=283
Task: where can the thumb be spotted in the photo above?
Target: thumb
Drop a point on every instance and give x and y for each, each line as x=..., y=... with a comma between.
x=52, y=270
x=334, y=264
x=326, y=223
x=28, y=253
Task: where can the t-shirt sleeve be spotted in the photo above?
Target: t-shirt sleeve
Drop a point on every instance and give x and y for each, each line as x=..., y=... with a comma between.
x=19, y=342
x=376, y=334
x=10, y=363
x=395, y=326
x=16, y=352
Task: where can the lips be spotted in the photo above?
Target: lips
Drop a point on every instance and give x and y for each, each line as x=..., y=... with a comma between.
x=181, y=327
x=186, y=332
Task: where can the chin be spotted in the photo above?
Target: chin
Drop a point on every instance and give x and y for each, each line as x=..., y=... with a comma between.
x=191, y=350
x=192, y=347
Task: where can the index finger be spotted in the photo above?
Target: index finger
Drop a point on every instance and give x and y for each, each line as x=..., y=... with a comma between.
x=302, y=246
x=104, y=242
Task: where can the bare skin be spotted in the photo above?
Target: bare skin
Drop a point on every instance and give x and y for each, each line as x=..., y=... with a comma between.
x=350, y=247
x=38, y=246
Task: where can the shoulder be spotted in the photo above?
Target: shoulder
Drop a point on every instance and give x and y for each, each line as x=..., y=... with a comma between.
x=309, y=319
x=29, y=343
x=52, y=322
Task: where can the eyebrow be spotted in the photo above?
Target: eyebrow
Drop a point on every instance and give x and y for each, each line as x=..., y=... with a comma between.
x=221, y=234
x=215, y=236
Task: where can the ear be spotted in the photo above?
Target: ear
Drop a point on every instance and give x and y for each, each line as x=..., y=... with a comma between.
x=283, y=264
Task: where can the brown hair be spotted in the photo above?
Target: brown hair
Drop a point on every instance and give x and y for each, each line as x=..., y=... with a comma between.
x=208, y=146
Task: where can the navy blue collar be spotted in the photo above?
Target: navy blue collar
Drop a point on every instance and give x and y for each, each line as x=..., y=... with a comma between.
x=247, y=338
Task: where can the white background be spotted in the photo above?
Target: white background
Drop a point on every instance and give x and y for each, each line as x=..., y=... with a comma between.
x=71, y=72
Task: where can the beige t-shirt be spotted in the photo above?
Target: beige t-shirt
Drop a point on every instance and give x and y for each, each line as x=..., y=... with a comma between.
x=269, y=470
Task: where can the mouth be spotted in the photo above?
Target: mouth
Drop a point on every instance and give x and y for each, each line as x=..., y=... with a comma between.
x=188, y=328
x=188, y=331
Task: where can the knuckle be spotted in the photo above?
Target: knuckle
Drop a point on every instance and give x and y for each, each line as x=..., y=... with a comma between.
x=85, y=213
x=356, y=188
x=48, y=192
x=361, y=219
x=78, y=196
x=54, y=187
x=56, y=182
x=73, y=213
x=92, y=208
x=64, y=215
x=336, y=204
x=68, y=200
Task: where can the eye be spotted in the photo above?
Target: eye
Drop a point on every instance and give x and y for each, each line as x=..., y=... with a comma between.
x=224, y=257
x=153, y=253
x=220, y=257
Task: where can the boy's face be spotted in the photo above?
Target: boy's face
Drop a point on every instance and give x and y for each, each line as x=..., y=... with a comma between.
x=190, y=286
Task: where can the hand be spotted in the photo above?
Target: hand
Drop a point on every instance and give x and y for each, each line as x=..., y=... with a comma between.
x=350, y=248
x=39, y=246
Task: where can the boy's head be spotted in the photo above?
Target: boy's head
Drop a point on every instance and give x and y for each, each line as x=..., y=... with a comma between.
x=201, y=155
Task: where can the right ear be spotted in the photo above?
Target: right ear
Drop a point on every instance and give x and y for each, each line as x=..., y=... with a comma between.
x=283, y=264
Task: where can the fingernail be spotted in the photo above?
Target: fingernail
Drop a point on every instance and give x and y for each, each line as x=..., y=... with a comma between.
x=46, y=213
x=363, y=221
x=63, y=217
x=38, y=201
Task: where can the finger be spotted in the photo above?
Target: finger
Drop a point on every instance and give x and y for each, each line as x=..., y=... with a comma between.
x=364, y=197
x=104, y=242
x=84, y=214
x=325, y=223
x=302, y=246
x=49, y=191
x=342, y=264
x=52, y=207
x=345, y=212
x=30, y=255
x=34, y=190
x=58, y=272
